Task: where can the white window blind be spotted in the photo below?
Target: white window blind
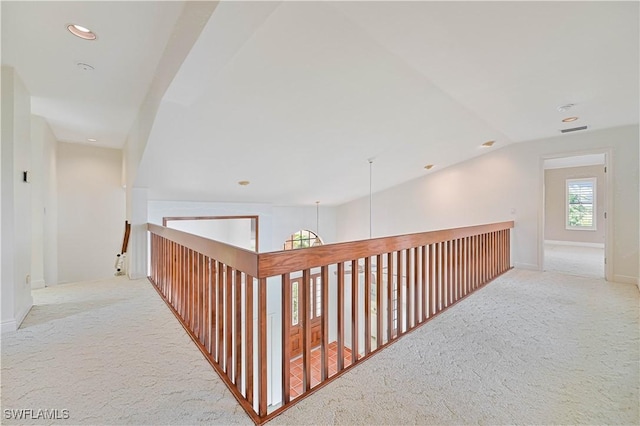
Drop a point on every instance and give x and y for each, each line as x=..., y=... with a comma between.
x=581, y=204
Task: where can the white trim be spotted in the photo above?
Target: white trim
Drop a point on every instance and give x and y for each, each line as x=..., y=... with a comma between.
x=528, y=266
x=37, y=284
x=608, y=204
x=8, y=326
x=14, y=323
x=574, y=244
x=625, y=279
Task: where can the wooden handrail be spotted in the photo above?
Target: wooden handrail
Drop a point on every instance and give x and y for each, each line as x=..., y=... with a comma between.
x=211, y=287
x=239, y=258
x=280, y=262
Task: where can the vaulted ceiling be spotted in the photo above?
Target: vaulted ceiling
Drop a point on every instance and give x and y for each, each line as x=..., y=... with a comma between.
x=297, y=97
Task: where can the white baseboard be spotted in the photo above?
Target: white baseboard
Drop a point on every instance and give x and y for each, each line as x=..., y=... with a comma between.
x=37, y=284
x=625, y=279
x=8, y=326
x=529, y=266
x=14, y=323
x=574, y=244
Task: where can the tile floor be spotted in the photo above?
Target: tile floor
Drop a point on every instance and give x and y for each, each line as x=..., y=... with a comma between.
x=297, y=369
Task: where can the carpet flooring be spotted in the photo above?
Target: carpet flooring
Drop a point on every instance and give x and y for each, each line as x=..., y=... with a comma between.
x=574, y=260
x=530, y=347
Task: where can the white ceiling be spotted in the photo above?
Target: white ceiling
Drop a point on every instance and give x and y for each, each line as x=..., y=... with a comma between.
x=78, y=105
x=297, y=96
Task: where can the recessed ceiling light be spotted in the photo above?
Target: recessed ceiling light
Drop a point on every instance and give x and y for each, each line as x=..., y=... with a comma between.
x=428, y=166
x=565, y=107
x=85, y=67
x=82, y=32
x=488, y=144
x=244, y=183
x=92, y=140
x=569, y=119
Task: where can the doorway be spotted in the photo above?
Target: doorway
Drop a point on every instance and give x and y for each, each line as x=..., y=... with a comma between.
x=575, y=214
x=315, y=313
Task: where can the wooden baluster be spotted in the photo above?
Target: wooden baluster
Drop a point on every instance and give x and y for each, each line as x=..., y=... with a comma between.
x=286, y=338
x=221, y=291
x=262, y=347
x=214, y=304
x=367, y=310
x=354, y=310
x=206, y=327
x=249, y=339
x=201, y=291
x=379, y=307
x=450, y=273
x=213, y=347
x=416, y=286
x=460, y=269
x=423, y=284
x=304, y=313
x=324, y=325
x=340, y=355
x=228, y=324
x=436, y=280
x=400, y=310
x=467, y=270
x=238, y=329
x=389, y=297
x=508, y=248
x=196, y=296
x=409, y=284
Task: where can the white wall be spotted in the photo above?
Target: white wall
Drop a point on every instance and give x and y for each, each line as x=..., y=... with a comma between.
x=43, y=204
x=91, y=211
x=236, y=232
x=50, y=225
x=488, y=188
x=15, y=228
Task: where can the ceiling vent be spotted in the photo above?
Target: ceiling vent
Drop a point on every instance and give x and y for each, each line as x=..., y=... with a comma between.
x=573, y=129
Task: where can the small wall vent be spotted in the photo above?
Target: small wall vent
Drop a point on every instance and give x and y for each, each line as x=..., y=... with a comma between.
x=573, y=129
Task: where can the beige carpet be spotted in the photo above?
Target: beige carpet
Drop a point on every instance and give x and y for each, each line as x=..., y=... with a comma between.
x=574, y=260
x=529, y=348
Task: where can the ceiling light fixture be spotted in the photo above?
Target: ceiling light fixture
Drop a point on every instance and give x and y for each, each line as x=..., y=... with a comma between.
x=244, y=183
x=429, y=166
x=92, y=140
x=488, y=144
x=565, y=107
x=82, y=32
x=569, y=119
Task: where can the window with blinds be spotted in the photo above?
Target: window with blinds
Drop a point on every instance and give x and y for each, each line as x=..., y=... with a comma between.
x=581, y=204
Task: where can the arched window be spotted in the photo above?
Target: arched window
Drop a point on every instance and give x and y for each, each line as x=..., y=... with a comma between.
x=302, y=239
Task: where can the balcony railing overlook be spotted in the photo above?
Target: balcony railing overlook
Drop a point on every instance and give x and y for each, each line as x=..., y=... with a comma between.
x=278, y=326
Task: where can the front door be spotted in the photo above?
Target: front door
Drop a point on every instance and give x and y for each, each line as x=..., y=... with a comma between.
x=315, y=314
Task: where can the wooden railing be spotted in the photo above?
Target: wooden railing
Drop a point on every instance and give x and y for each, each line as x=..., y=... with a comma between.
x=342, y=302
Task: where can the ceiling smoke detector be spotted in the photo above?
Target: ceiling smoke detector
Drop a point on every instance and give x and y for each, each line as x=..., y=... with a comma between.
x=565, y=107
x=85, y=67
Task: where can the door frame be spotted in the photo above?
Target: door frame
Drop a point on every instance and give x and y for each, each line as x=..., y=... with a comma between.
x=608, y=206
